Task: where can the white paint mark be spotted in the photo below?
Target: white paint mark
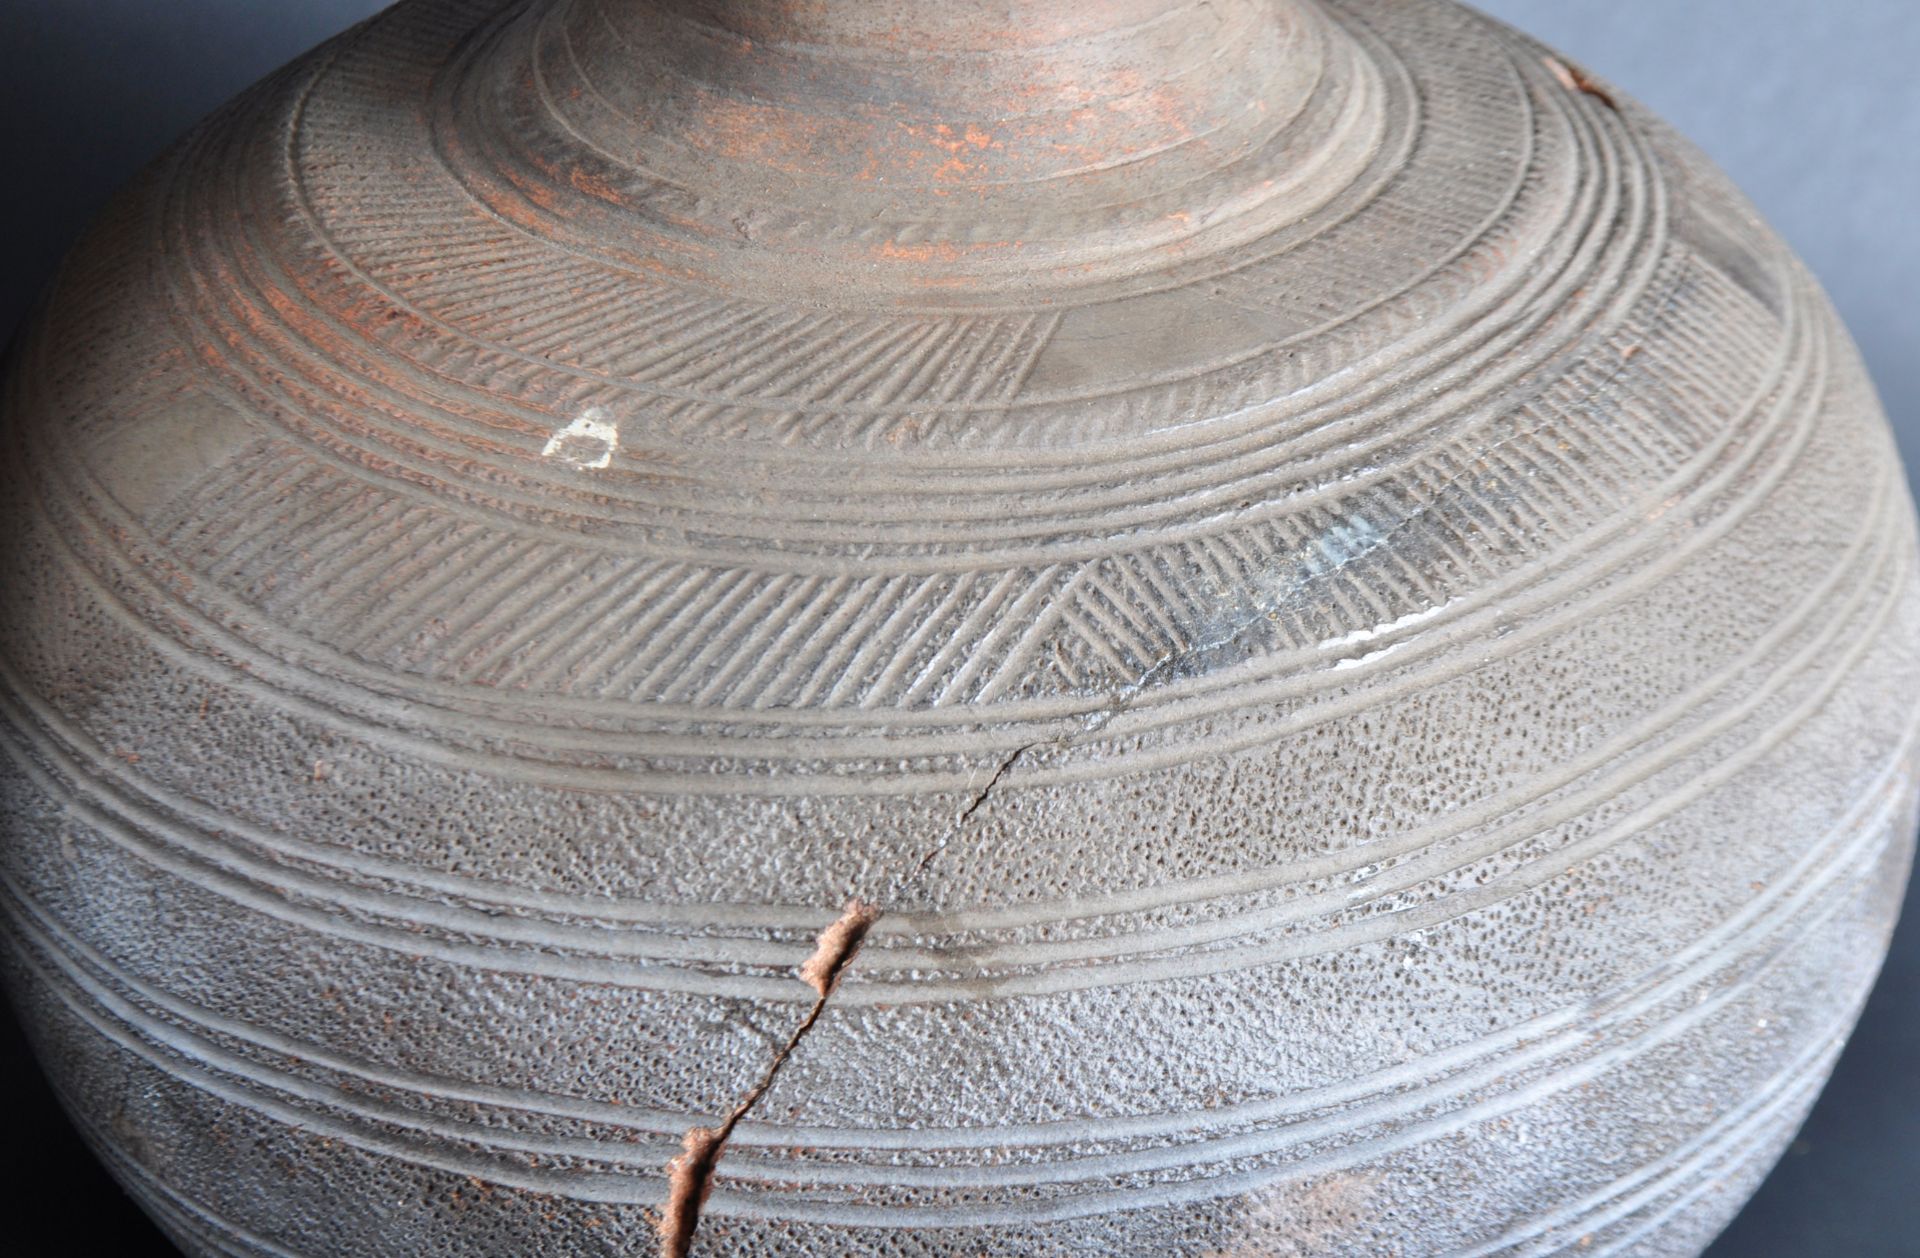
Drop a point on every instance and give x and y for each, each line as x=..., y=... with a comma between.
x=1371, y=632
x=588, y=442
x=1369, y=657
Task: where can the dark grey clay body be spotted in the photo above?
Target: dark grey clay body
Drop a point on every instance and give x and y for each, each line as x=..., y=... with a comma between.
x=1250, y=628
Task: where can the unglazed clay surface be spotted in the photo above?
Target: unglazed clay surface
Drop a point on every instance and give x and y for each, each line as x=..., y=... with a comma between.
x=1264, y=627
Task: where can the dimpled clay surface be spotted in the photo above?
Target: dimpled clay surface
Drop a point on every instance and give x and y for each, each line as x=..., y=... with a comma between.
x=1264, y=627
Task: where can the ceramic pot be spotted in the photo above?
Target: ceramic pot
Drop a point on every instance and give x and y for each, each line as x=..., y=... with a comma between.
x=1243, y=628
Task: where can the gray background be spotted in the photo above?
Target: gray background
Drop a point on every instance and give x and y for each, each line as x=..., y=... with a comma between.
x=1812, y=105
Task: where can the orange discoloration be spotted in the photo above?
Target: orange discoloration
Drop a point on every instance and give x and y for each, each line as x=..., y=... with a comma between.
x=594, y=186
x=931, y=251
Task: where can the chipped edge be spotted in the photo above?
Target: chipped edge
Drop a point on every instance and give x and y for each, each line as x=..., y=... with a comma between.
x=1574, y=79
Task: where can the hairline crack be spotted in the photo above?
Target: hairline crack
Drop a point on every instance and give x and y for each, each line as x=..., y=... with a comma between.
x=690, y=1175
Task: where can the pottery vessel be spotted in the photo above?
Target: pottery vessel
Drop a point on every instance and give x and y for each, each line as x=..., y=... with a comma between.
x=1261, y=627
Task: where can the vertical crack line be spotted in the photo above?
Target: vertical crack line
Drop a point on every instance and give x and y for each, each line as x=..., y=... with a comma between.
x=966, y=814
x=1118, y=702
x=690, y=1176
x=979, y=800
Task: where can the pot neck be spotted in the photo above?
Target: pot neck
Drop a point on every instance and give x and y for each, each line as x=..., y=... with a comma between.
x=933, y=26
x=950, y=92
x=911, y=146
